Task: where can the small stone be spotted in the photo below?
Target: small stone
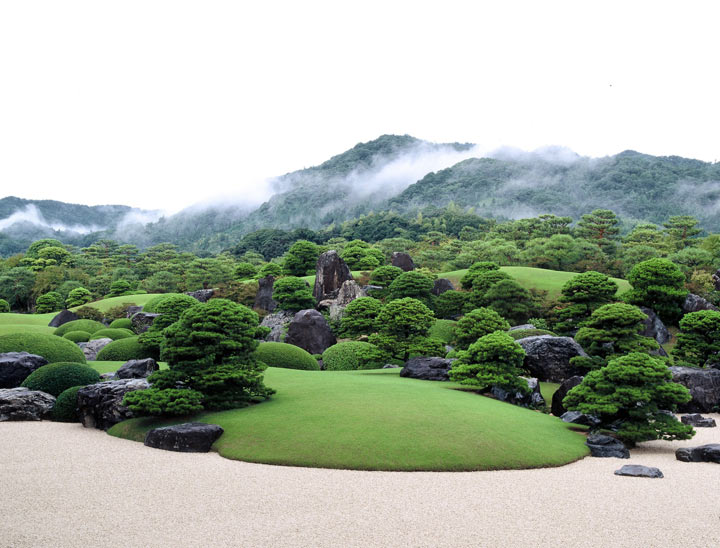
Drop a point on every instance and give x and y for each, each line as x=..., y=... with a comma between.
x=606, y=446
x=698, y=421
x=575, y=417
x=701, y=453
x=201, y=295
x=92, y=348
x=639, y=471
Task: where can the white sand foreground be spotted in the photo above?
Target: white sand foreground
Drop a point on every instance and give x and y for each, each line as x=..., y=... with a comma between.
x=62, y=485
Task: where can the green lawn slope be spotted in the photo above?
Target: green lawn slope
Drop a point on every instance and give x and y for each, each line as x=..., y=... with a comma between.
x=377, y=420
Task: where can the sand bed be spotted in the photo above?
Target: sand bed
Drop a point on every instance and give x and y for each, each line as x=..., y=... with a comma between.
x=63, y=485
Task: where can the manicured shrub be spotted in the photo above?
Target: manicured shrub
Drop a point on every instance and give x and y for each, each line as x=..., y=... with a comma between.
x=51, y=301
x=512, y=301
x=77, y=336
x=360, y=316
x=119, y=288
x=170, y=310
x=698, y=342
x=301, y=258
x=168, y=402
x=293, y=294
x=360, y=255
x=584, y=294
x=121, y=323
x=660, y=285
x=403, y=327
x=245, y=271
x=52, y=348
x=518, y=334
x=66, y=408
x=119, y=311
x=55, y=378
x=151, y=306
x=476, y=270
x=123, y=350
x=269, y=269
x=78, y=297
x=111, y=333
x=443, y=330
x=90, y=326
x=351, y=355
x=412, y=284
x=89, y=313
x=385, y=275
x=451, y=304
x=477, y=323
x=4, y=306
x=287, y=356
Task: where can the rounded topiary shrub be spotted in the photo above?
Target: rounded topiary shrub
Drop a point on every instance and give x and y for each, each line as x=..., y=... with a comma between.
x=4, y=306
x=52, y=348
x=151, y=306
x=287, y=356
x=121, y=323
x=91, y=326
x=55, y=378
x=65, y=409
x=110, y=333
x=352, y=355
x=77, y=336
x=123, y=350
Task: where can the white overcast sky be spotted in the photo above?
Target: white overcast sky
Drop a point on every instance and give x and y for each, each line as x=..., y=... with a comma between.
x=160, y=104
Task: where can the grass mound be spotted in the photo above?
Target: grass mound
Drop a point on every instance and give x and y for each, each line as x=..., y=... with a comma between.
x=121, y=323
x=77, y=336
x=377, y=420
x=55, y=378
x=52, y=348
x=287, y=356
x=89, y=326
x=66, y=407
x=123, y=350
x=110, y=333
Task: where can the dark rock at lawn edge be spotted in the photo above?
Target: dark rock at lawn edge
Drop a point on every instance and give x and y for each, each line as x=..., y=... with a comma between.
x=190, y=437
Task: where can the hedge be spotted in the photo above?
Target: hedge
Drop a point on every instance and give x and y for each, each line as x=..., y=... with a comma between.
x=65, y=409
x=91, y=326
x=123, y=350
x=55, y=378
x=121, y=323
x=52, y=348
x=287, y=356
x=77, y=336
x=151, y=306
x=345, y=356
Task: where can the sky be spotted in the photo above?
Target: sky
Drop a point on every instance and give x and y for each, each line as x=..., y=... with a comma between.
x=162, y=104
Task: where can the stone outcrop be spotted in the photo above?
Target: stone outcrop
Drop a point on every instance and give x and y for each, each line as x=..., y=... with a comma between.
x=427, y=369
x=704, y=386
x=442, y=285
x=142, y=321
x=639, y=471
x=100, y=405
x=402, y=260
x=190, y=437
x=16, y=366
x=606, y=446
x=309, y=330
x=548, y=358
x=522, y=327
x=533, y=399
x=132, y=310
x=330, y=274
x=263, y=297
x=576, y=417
x=653, y=326
x=695, y=303
x=702, y=453
x=557, y=408
x=202, y=295
x=698, y=421
x=63, y=317
x=92, y=348
x=348, y=292
x=278, y=323
x=22, y=404
x=137, y=369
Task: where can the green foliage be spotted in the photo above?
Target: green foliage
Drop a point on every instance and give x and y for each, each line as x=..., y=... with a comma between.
x=450, y=304
x=91, y=326
x=16, y=286
x=635, y=390
x=245, y=271
x=77, y=336
x=585, y=293
x=169, y=402
x=360, y=255
x=118, y=312
x=170, y=310
x=151, y=306
x=4, y=306
x=658, y=284
x=293, y=294
x=600, y=226
x=403, y=327
x=112, y=333
x=681, y=228
x=412, y=284
x=78, y=297
x=121, y=323
x=66, y=405
x=49, y=302
x=360, y=316
x=161, y=282
x=475, y=270
x=518, y=334
x=269, y=269
x=34, y=250
x=287, y=356
x=345, y=356
x=476, y=324
x=301, y=258
x=512, y=301
x=443, y=330
x=53, y=349
x=57, y=377
x=385, y=275
x=493, y=360
x=123, y=350
x=119, y=288
x=89, y=313
x=698, y=342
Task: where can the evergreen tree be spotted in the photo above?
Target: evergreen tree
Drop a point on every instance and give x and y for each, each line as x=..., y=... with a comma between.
x=698, y=342
x=584, y=293
x=658, y=284
x=476, y=324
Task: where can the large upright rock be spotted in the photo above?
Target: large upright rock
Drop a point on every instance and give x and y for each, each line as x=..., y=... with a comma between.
x=92, y=348
x=22, y=404
x=695, y=303
x=309, y=330
x=557, y=408
x=100, y=405
x=427, y=369
x=402, y=260
x=442, y=285
x=263, y=297
x=330, y=274
x=201, y=295
x=653, y=326
x=278, y=323
x=704, y=386
x=349, y=291
x=548, y=358
x=62, y=317
x=142, y=321
x=16, y=366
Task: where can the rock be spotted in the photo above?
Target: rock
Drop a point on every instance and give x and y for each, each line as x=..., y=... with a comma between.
x=330, y=274
x=534, y=399
x=576, y=417
x=263, y=297
x=695, y=303
x=348, y=292
x=701, y=453
x=698, y=421
x=390, y=366
x=100, y=405
x=704, y=386
x=16, y=366
x=91, y=348
x=190, y=437
x=402, y=260
x=23, y=404
x=62, y=317
x=716, y=280
x=107, y=376
x=202, y=295
x=658, y=352
x=278, y=323
x=142, y=321
x=606, y=446
x=557, y=408
x=522, y=327
x=653, y=326
x=137, y=369
x=132, y=310
x=427, y=369
x=309, y=330
x=548, y=357
x=639, y=471
x=442, y=285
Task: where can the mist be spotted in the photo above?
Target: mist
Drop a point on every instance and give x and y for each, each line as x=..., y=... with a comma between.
x=32, y=215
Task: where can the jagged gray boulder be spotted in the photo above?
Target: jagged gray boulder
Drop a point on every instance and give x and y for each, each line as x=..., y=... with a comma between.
x=100, y=405
x=716, y=280
x=402, y=260
x=534, y=398
x=22, y=404
x=556, y=407
x=522, y=327
x=606, y=446
x=142, y=321
x=348, y=292
x=639, y=471
x=654, y=327
x=190, y=437
x=698, y=421
x=132, y=310
x=63, y=317
x=263, y=297
x=704, y=386
x=92, y=348
x=278, y=323
x=331, y=272
x=576, y=417
x=202, y=295
x=701, y=453
x=309, y=330
x=427, y=369
x=548, y=358
x=137, y=369
x=695, y=303
x=442, y=285
x=16, y=366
